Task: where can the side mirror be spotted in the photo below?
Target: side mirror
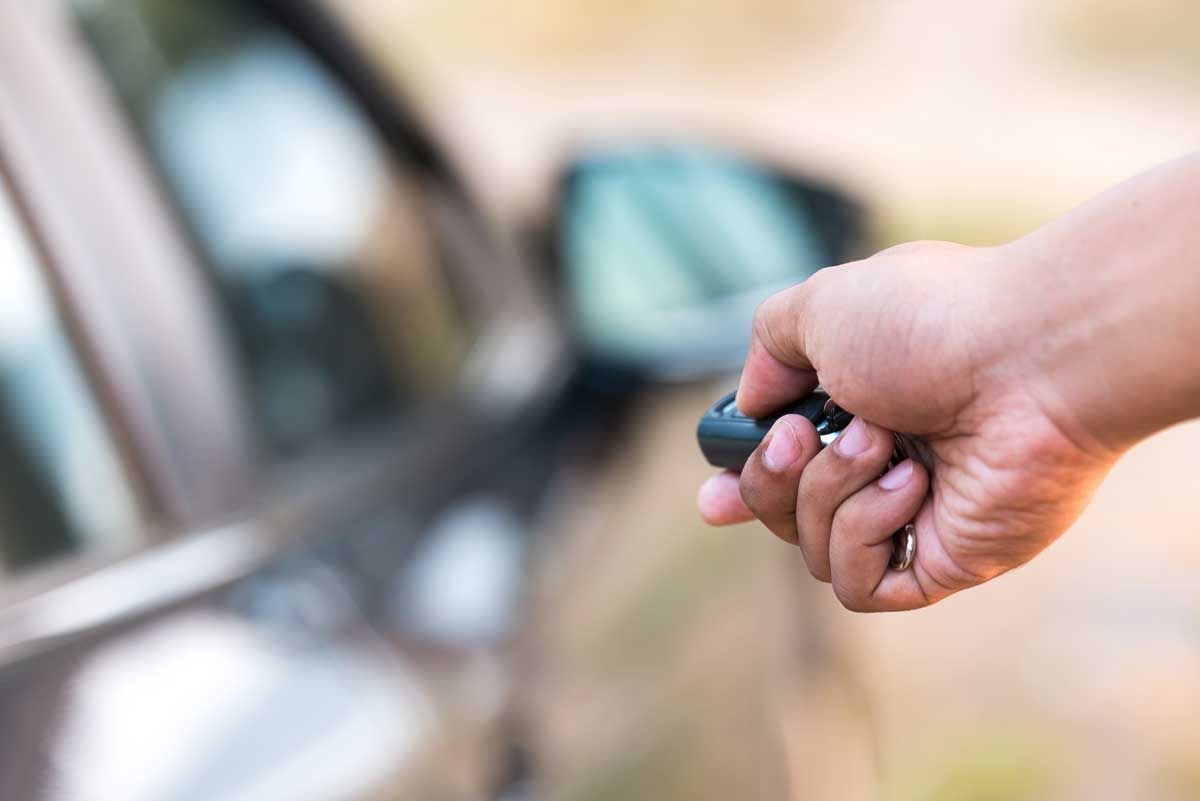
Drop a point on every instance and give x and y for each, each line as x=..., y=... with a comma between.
x=666, y=251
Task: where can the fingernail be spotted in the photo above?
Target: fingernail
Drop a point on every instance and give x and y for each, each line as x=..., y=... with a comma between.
x=854, y=440
x=783, y=449
x=898, y=476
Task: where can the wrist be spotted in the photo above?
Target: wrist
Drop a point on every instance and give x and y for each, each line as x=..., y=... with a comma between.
x=1056, y=325
x=1110, y=337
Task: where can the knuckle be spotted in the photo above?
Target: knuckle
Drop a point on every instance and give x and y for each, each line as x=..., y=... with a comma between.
x=788, y=303
x=818, y=567
x=748, y=489
x=762, y=312
x=819, y=573
x=808, y=493
x=758, y=492
x=850, y=517
x=956, y=573
x=768, y=310
x=766, y=318
x=816, y=281
x=783, y=531
x=883, y=443
x=820, y=287
x=852, y=601
x=917, y=247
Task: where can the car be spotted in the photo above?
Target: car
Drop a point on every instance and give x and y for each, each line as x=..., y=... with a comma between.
x=281, y=406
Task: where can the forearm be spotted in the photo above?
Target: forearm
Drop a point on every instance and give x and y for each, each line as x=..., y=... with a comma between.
x=1109, y=298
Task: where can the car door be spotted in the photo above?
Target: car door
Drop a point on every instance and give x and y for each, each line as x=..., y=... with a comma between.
x=307, y=359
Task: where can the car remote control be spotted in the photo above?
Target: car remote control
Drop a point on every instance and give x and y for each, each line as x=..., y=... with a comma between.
x=727, y=438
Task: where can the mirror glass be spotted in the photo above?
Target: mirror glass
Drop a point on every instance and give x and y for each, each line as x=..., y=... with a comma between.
x=667, y=252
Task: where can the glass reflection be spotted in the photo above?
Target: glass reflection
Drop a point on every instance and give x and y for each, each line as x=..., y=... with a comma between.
x=315, y=236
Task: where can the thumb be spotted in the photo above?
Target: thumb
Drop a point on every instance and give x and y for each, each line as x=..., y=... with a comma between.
x=778, y=368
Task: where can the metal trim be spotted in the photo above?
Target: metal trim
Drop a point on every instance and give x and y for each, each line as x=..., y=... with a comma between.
x=124, y=276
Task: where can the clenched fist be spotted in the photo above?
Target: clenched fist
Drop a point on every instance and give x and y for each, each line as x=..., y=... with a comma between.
x=1025, y=370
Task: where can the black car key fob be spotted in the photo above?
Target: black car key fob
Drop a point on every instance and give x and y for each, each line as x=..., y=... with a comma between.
x=727, y=438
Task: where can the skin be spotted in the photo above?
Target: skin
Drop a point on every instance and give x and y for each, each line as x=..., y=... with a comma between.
x=1026, y=369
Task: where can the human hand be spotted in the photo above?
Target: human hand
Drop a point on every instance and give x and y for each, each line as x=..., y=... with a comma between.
x=930, y=339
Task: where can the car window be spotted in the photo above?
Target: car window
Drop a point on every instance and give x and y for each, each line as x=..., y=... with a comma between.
x=62, y=486
x=314, y=234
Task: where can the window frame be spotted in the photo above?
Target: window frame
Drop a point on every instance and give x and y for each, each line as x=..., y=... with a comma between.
x=119, y=271
x=17, y=582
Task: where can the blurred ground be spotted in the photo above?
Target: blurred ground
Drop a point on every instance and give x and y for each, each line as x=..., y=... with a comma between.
x=679, y=662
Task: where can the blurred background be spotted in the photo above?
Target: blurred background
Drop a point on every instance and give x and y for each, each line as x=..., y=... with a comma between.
x=352, y=357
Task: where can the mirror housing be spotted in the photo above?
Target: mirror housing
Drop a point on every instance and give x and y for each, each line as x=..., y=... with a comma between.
x=665, y=252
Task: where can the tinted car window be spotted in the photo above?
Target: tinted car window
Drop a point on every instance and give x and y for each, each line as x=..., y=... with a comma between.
x=314, y=234
x=62, y=487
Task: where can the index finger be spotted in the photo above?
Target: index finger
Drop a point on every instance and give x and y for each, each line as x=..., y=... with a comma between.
x=778, y=369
